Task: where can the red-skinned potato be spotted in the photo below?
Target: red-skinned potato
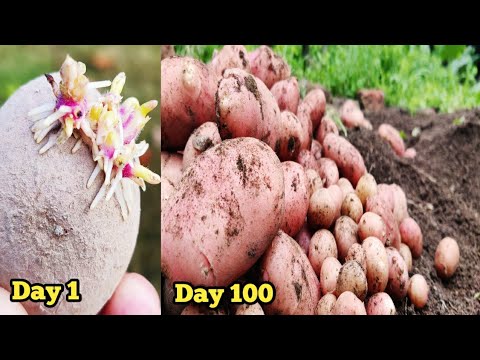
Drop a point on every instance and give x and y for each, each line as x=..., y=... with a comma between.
x=188, y=99
x=400, y=203
x=326, y=126
x=296, y=197
x=230, y=56
x=349, y=161
x=328, y=172
x=268, y=66
x=171, y=167
x=352, y=278
x=321, y=209
x=352, y=207
x=337, y=197
x=316, y=149
x=387, y=196
x=303, y=115
x=366, y=187
x=410, y=153
x=418, y=290
x=345, y=186
x=381, y=304
x=249, y=309
x=322, y=245
x=213, y=233
x=379, y=205
x=314, y=181
x=315, y=103
x=287, y=94
x=348, y=304
x=326, y=304
x=303, y=238
x=377, y=264
x=308, y=161
x=286, y=266
x=412, y=236
x=345, y=235
x=166, y=190
x=392, y=136
x=203, y=138
x=351, y=115
x=397, y=274
x=371, y=224
x=447, y=258
x=289, y=138
x=406, y=255
x=357, y=253
x=329, y=275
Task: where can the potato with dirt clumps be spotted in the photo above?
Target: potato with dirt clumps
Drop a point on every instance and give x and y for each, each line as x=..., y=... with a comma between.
x=287, y=94
x=328, y=172
x=371, y=224
x=345, y=186
x=352, y=278
x=303, y=238
x=418, y=290
x=171, y=167
x=348, y=304
x=249, y=309
x=316, y=149
x=410, y=153
x=357, y=253
x=326, y=304
x=345, y=235
x=447, y=257
x=194, y=309
x=352, y=207
x=308, y=161
x=214, y=230
x=314, y=181
x=406, y=255
x=287, y=146
x=322, y=209
x=329, y=275
x=349, y=161
x=296, y=197
x=188, y=99
x=246, y=108
x=381, y=304
x=268, y=66
x=366, y=187
x=397, y=274
x=377, y=264
x=286, y=266
x=322, y=245
x=382, y=206
x=392, y=136
x=230, y=56
x=314, y=105
x=412, y=236
x=203, y=138
x=326, y=126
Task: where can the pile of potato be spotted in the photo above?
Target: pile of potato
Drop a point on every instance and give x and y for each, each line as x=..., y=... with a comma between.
x=265, y=179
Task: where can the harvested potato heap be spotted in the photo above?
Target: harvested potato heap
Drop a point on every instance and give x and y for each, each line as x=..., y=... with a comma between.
x=257, y=197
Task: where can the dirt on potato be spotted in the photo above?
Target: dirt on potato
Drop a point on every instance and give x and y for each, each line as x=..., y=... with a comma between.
x=442, y=186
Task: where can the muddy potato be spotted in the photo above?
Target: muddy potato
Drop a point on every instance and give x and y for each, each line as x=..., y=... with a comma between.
x=203, y=138
x=377, y=264
x=381, y=304
x=366, y=187
x=322, y=245
x=345, y=232
x=321, y=209
x=418, y=290
x=252, y=309
x=303, y=238
x=345, y=186
x=326, y=304
x=371, y=224
x=357, y=253
x=397, y=274
x=314, y=181
x=447, y=257
x=329, y=275
x=407, y=256
x=352, y=207
x=412, y=236
x=214, y=230
x=352, y=278
x=328, y=171
x=286, y=266
x=348, y=304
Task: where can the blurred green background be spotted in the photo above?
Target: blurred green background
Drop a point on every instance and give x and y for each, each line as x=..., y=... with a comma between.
x=141, y=64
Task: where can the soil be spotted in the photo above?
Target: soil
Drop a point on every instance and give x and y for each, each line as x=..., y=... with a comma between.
x=442, y=184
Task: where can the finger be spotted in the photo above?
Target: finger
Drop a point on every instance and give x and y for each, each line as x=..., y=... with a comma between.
x=10, y=308
x=135, y=295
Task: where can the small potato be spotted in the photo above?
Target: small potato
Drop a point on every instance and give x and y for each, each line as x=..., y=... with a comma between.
x=268, y=66
x=407, y=256
x=397, y=274
x=314, y=181
x=366, y=187
x=249, y=309
x=400, y=209
x=230, y=56
x=325, y=305
x=316, y=102
x=357, y=253
x=348, y=304
x=345, y=235
x=322, y=245
x=447, y=257
x=381, y=304
x=379, y=205
x=337, y=195
x=418, y=290
x=352, y=207
x=303, y=238
x=410, y=153
x=352, y=278
x=345, y=186
x=351, y=115
x=392, y=136
x=371, y=224
x=412, y=236
x=287, y=94
x=296, y=197
x=321, y=209
x=328, y=171
x=329, y=275
x=303, y=115
x=377, y=264
x=326, y=126
x=203, y=138
x=308, y=161
x=290, y=134
x=316, y=149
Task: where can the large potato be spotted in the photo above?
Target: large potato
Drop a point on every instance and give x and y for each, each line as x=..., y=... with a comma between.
x=397, y=274
x=348, y=304
x=286, y=266
x=329, y=275
x=322, y=245
x=228, y=207
x=352, y=278
x=268, y=66
x=447, y=257
x=377, y=264
x=345, y=235
x=412, y=236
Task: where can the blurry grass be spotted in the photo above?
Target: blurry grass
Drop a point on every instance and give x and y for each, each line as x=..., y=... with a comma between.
x=141, y=64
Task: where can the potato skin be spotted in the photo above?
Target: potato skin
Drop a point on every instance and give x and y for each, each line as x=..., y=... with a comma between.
x=287, y=94
x=412, y=236
x=203, y=138
x=230, y=56
x=268, y=66
x=348, y=304
x=296, y=197
x=308, y=161
x=392, y=136
x=407, y=255
x=397, y=274
x=357, y=253
x=352, y=278
x=325, y=305
x=352, y=207
x=447, y=257
x=371, y=224
x=188, y=99
x=349, y=161
x=345, y=235
x=286, y=266
x=418, y=290
x=288, y=141
x=321, y=209
x=382, y=205
x=171, y=167
x=322, y=245
x=326, y=126
x=381, y=304
x=345, y=186
x=314, y=181
x=303, y=115
x=400, y=209
x=377, y=264
x=329, y=275
x=316, y=149
x=315, y=102
x=328, y=171
x=212, y=233
x=303, y=238
x=410, y=153
x=351, y=115
x=252, y=309
x=366, y=187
